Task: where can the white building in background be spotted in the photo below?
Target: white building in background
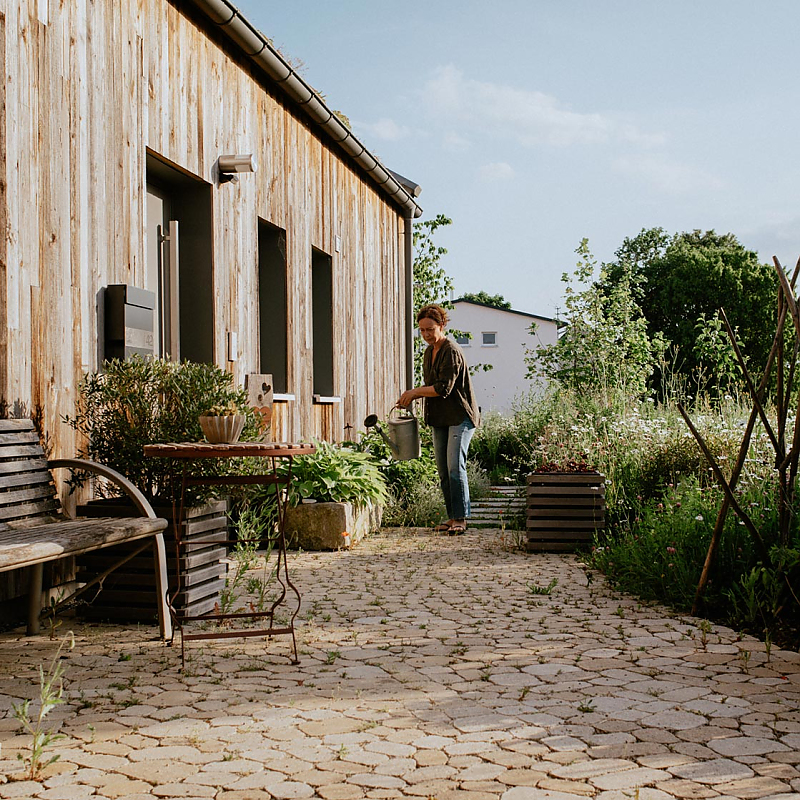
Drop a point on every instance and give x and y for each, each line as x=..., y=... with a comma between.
x=500, y=338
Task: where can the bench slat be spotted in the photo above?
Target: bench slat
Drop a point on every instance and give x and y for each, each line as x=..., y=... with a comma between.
x=16, y=425
x=25, y=479
x=19, y=437
x=16, y=496
x=70, y=538
x=17, y=450
x=27, y=465
x=46, y=506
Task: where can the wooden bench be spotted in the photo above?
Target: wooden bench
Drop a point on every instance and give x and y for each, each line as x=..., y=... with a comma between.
x=33, y=530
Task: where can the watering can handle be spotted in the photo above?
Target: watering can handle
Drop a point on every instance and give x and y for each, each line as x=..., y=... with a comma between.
x=398, y=409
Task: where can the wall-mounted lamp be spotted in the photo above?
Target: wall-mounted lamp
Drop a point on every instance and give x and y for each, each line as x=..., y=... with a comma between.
x=229, y=166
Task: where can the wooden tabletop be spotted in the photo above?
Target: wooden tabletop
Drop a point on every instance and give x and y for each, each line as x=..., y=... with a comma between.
x=234, y=450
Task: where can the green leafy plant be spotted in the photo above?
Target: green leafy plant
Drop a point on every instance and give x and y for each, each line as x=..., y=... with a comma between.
x=336, y=474
x=146, y=401
x=606, y=345
x=253, y=525
x=51, y=695
x=229, y=409
x=534, y=588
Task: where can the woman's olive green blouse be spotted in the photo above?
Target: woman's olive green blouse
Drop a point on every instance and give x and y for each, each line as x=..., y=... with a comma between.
x=449, y=376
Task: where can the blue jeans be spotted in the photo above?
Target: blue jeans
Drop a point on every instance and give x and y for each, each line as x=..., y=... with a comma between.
x=450, y=447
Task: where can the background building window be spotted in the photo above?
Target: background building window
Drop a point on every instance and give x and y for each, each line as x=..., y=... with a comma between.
x=463, y=340
x=489, y=338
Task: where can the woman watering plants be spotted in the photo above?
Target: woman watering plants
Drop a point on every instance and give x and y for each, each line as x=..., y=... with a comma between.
x=450, y=410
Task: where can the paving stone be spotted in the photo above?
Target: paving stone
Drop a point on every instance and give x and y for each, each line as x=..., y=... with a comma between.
x=529, y=793
x=687, y=790
x=640, y=793
x=628, y=779
x=674, y=720
x=119, y=786
x=745, y=746
x=341, y=792
x=592, y=768
x=714, y=772
x=570, y=787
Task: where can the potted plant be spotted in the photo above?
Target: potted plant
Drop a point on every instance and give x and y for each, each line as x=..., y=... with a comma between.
x=223, y=422
x=565, y=505
x=119, y=410
x=335, y=498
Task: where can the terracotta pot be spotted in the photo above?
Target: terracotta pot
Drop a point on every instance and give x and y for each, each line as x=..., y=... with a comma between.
x=223, y=429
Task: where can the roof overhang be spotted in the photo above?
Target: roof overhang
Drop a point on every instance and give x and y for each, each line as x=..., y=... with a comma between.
x=258, y=48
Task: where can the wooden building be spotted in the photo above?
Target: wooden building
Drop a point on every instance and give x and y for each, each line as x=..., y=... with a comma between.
x=116, y=118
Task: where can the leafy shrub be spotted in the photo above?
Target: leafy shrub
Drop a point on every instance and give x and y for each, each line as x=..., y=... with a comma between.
x=418, y=506
x=335, y=474
x=505, y=446
x=148, y=401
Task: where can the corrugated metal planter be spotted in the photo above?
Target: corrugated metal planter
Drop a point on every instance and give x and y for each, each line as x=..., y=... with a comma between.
x=223, y=429
x=564, y=509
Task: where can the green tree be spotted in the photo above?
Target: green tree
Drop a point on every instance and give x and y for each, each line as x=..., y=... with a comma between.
x=605, y=345
x=431, y=283
x=494, y=300
x=681, y=280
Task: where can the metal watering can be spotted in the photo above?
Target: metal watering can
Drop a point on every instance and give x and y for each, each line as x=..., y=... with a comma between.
x=403, y=438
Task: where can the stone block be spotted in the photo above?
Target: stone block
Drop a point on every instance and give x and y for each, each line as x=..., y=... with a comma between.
x=320, y=526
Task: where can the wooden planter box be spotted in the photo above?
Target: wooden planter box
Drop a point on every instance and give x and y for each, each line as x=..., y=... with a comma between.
x=564, y=509
x=128, y=592
x=321, y=526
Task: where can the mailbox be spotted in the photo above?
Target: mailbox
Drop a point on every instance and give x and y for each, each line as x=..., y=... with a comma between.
x=129, y=321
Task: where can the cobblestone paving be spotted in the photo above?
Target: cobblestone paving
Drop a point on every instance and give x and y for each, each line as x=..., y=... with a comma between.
x=429, y=669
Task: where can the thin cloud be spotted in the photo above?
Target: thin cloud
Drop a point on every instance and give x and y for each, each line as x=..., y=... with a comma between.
x=670, y=177
x=497, y=171
x=529, y=117
x=386, y=129
x=456, y=142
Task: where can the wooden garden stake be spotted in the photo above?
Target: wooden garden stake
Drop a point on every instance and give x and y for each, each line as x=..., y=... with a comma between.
x=734, y=503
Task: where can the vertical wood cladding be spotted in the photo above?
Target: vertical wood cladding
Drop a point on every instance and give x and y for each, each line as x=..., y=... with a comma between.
x=89, y=92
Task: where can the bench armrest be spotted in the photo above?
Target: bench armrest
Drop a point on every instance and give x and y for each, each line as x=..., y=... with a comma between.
x=139, y=500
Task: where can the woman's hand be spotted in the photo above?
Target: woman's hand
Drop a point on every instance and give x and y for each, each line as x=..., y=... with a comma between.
x=407, y=398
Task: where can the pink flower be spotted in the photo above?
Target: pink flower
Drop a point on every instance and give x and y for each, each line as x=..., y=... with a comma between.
x=671, y=550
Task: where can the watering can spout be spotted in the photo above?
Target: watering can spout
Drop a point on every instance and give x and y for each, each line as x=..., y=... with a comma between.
x=372, y=422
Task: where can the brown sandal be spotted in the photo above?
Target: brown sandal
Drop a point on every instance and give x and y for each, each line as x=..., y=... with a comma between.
x=442, y=527
x=457, y=529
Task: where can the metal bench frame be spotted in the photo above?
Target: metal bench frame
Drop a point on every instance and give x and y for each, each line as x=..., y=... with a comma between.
x=34, y=532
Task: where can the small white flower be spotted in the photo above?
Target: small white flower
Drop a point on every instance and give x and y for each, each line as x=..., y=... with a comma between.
x=699, y=517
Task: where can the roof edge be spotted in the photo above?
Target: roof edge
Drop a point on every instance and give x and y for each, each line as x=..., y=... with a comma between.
x=258, y=48
x=505, y=310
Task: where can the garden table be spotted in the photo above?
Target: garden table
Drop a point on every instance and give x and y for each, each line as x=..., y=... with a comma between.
x=184, y=453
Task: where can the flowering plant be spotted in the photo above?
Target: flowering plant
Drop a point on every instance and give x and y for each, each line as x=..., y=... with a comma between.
x=567, y=465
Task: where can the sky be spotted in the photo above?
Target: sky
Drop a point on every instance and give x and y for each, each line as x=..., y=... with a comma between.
x=534, y=124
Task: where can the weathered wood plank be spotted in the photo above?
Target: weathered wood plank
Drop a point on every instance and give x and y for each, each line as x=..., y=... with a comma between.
x=73, y=537
x=47, y=505
x=27, y=465
x=24, y=479
x=16, y=425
